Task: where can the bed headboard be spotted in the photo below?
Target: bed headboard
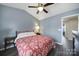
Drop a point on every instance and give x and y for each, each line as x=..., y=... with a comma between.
x=17, y=32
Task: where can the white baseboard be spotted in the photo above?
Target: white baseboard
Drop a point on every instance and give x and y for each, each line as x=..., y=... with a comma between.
x=58, y=43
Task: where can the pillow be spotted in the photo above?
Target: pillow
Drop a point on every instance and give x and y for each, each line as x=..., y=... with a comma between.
x=25, y=34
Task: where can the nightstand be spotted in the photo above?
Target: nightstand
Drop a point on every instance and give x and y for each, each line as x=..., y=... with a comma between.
x=9, y=41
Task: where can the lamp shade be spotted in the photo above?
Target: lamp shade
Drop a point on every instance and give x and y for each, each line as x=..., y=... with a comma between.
x=37, y=28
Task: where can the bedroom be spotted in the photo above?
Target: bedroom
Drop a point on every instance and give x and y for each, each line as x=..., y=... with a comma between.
x=18, y=17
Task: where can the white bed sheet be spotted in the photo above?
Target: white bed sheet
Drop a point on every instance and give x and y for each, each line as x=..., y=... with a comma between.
x=25, y=34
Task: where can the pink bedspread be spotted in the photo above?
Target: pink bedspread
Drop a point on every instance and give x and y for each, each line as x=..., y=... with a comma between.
x=37, y=45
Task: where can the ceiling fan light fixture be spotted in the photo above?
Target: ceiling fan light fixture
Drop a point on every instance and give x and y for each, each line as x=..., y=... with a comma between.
x=40, y=8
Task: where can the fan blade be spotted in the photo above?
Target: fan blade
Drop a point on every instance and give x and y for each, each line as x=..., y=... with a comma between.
x=33, y=6
x=47, y=4
x=37, y=12
x=45, y=11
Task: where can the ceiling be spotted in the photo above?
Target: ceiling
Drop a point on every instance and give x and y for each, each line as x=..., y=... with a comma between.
x=53, y=9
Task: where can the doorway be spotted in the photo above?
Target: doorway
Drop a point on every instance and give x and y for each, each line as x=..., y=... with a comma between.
x=69, y=24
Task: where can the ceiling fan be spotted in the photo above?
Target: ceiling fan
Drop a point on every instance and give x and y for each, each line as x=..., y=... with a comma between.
x=41, y=7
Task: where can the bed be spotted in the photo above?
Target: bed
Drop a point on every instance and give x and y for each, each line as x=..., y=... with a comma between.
x=30, y=44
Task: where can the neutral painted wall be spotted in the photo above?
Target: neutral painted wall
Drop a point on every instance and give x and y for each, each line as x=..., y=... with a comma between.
x=12, y=19
x=52, y=25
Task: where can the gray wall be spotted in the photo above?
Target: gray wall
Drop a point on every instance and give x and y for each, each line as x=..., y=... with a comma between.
x=51, y=25
x=12, y=19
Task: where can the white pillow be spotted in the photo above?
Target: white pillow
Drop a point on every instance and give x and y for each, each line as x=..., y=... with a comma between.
x=25, y=34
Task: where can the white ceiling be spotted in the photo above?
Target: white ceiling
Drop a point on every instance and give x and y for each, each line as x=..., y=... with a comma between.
x=52, y=9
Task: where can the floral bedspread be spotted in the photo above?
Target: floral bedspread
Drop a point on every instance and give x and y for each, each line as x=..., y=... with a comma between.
x=37, y=45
